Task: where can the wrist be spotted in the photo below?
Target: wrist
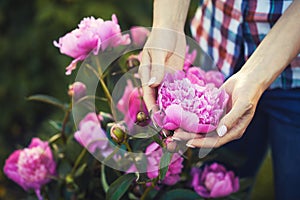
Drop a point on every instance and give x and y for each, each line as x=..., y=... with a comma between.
x=257, y=75
x=170, y=14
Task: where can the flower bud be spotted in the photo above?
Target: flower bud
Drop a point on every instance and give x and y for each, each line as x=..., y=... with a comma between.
x=118, y=133
x=77, y=90
x=139, y=35
x=133, y=61
x=142, y=118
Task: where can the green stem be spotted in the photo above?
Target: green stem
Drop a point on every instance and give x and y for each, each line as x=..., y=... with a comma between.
x=78, y=160
x=54, y=138
x=128, y=146
x=63, y=127
x=103, y=179
x=100, y=73
x=148, y=189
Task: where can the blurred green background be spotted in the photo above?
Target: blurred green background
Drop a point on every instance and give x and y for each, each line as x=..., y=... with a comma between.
x=30, y=64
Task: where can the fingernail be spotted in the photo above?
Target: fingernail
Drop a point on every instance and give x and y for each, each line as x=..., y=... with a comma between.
x=191, y=146
x=222, y=130
x=151, y=81
x=164, y=133
x=176, y=138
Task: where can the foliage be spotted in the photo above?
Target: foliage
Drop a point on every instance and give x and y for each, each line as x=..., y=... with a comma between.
x=30, y=65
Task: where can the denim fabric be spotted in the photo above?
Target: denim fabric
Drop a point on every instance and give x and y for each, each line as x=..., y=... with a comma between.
x=276, y=123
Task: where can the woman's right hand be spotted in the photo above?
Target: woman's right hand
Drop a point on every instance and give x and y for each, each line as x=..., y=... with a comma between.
x=164, y=51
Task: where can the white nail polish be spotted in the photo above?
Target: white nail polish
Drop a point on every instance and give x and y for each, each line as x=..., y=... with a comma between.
x=151, y=81
x=222, y=130
x=176, y=139
x=164, y=133
x=191, y=146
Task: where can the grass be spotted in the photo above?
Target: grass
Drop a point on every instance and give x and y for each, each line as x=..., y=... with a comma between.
x=264, y=187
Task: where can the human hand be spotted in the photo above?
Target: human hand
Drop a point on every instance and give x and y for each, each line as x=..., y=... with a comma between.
x=244, y=93
x=163, y=51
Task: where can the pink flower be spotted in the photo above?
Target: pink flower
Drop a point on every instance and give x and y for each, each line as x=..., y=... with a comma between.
x=91, y=35
x=31, y=167
x=154, y=153
x=131, y=104
x=189, y=58
x=187, y=101
x=91, y=135
x=139, y=35
x=214, y=181
x=197, y=75
x=77, y=90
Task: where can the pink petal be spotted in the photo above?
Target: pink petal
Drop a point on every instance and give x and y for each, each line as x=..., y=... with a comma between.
x=189, y=121
x=222, y=188
x=174, y=115
x=205, y=128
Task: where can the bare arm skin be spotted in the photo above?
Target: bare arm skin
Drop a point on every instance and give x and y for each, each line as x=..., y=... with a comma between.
x=165, y=47
x=245, y=88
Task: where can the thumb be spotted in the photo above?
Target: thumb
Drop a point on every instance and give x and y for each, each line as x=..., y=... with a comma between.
x=231, y=119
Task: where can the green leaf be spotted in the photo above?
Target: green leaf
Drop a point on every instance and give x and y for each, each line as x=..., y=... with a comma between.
x=103, y=179
x=245, y=183
x=141, y=135
x=119, y=187
x=56, y=125
x=47, y=99
x=80, y=170
x=164, y=164
x=179, y=194
x=157, y=139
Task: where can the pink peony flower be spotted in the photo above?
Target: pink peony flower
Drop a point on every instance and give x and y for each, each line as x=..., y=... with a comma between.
x=188, y=101
x=91, y=36
x=214, y=181
x=139, y=35
x=197, y=75
x=31, y=167
x=77, y=90
x=131, y=104
x=91, y=135
x=189, y=58
x=154, y=153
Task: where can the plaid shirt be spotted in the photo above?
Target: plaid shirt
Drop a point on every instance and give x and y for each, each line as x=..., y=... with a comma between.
x=230, y=30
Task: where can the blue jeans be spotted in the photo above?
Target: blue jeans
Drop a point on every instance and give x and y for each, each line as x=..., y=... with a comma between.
x=276, y=123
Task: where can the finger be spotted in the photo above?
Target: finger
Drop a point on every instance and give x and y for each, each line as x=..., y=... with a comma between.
x=158, y=58
x=215, y=141
x=207, y=142
x=144, y=68
x=149, y=94
x=181, y=135
x=239, y=110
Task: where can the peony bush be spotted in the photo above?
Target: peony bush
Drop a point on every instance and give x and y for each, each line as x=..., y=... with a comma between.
x=107, y=146
x=31, y=167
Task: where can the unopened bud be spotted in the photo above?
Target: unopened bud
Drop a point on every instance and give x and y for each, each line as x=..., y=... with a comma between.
x=141, y=117
x=77, y=90
x=133, y=61
x=118, y=133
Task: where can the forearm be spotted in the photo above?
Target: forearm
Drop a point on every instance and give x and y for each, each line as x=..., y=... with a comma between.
x=277, y=49
x=170, y=14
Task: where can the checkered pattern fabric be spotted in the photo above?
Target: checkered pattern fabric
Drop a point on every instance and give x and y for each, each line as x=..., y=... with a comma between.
x=230, y=30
